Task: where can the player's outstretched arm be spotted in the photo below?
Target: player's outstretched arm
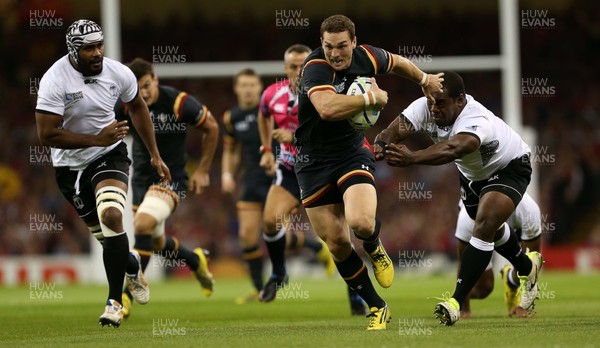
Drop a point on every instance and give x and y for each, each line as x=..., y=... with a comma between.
x=50, y=133
x=436, y=154
x=397, y=131
x=201, y=178
x=143, y=124
x=430, y=83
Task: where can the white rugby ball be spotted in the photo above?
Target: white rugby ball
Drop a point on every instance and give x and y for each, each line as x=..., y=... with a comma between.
x=367, y=117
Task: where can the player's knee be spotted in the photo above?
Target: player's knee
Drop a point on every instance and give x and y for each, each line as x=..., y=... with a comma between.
x=340, y=248
x=154, y=210
x=144, y=224
x=271, y=224
x=110, y=202
x=112, y=218
x=485, y=229
x=362, y=225
x=248, y=237
x=159, y=243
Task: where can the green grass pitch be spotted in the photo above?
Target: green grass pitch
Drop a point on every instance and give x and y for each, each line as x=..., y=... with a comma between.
x=308, y=313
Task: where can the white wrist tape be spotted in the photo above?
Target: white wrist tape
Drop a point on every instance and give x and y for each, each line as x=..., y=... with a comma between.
x=368, y=99
x=423, y=80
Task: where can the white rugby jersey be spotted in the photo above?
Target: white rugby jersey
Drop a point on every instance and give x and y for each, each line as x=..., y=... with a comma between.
x=86, y=104
x=499, y=144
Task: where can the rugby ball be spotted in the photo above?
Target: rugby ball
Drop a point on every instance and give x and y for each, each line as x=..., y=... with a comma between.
x=367, y=117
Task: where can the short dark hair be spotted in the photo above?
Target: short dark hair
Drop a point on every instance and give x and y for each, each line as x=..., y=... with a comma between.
x=453, y=84
x=297, y=48
x=338, y=24
x=244, y=72
x=141, y=67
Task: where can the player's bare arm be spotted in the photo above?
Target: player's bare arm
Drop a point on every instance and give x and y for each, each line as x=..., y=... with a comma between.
x=143, y=124
x=399, y=155
x=397, y=131
x=201, y=178
x=265, y=130
x=430, y=83
x=232, y=153
x=52, y=134
x=336, y=107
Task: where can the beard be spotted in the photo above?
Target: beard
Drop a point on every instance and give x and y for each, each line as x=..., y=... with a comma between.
x=86, y=69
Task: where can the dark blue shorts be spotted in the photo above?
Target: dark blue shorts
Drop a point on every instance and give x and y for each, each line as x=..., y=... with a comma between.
x=78, y=187
x=511, y=180
x=323, y=178
x=256, y=187
x=286, y=178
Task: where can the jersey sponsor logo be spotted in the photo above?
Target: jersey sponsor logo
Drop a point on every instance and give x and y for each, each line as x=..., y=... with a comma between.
x=340, y=87
x=495, y=177
x=113, y=90
x=73, y=97
x=244, y=125
x=90, y=81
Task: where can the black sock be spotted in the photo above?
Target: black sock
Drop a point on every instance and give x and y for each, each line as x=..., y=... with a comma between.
x=276, y=246
x=355, y=274
x=371, y=243
x=353, y=296
x=132, y=265
x=473, y=264
x=115, y=255
x=143, y=245
x=254, y=259
x=175, y=251
x=512, y=251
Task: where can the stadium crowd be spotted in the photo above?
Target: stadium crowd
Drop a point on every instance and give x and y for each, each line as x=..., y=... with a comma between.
x=36, y=219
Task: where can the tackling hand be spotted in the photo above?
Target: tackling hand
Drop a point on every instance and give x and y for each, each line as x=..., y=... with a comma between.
x=398, y=155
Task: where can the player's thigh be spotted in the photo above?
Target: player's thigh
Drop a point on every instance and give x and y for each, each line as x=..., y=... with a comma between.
x=360, y=206
x=493, y=210
x=250, y=222
x=280, y=203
